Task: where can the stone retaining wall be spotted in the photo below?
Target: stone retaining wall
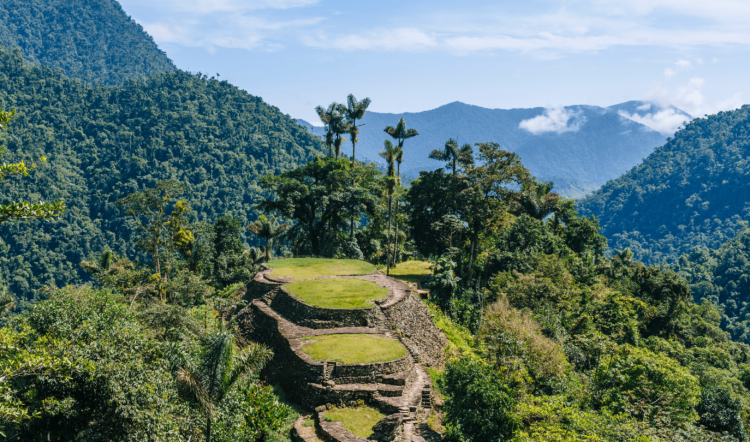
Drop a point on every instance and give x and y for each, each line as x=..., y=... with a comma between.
x=295, y=310
x=410, y=318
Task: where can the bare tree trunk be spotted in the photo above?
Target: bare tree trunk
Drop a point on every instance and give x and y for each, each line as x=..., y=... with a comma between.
x=471, y=256
x=388, y=245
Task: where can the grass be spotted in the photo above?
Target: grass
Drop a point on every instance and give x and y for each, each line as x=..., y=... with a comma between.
x=353, y=348
x=359, y=421
x=460, y=340
x=338, y=293
x=411, y=271
x=307, y=268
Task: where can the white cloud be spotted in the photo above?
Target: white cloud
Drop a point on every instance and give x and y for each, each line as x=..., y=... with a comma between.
x=406, y=39
x=212, y=6
x=669, y=73
x=232, y=32
x=665, y=121
x=687, y=97
x=552, y=120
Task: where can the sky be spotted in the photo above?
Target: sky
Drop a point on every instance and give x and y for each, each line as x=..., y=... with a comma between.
x=411, y=56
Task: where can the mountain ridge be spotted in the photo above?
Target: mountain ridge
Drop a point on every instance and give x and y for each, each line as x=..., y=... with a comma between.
x=581, y=154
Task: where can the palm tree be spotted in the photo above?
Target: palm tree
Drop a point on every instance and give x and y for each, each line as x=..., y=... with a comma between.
x=326, y=116
x=401, y=134
x=355, y=110
x=449, y=153
x=453, y=155
x=537, y=200
x=267, y=230
x=207, y=379
x=389, y=154
x=339, y=126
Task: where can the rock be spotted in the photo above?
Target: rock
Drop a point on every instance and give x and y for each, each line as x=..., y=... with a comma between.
x=387, y=429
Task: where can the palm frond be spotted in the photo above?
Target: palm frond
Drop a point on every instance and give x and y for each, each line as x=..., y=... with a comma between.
x=252, y=359
x=191, y=387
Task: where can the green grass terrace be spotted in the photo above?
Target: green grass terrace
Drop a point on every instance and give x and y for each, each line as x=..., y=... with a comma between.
x=308, y=268
x=338, y=292
x=411, y=271
x=359, y=421
x=353, y=348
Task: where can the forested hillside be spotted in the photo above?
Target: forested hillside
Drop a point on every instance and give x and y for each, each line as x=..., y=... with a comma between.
x=722, y=276
x=597, y=144
x=103, y=143
x=89, y=39
x=693, y=191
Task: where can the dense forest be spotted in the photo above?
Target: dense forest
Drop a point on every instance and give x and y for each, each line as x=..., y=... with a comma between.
x=89, y=39
x=156, y=193
x=550, y=338
x=721, y=276
x=693, y=191
x=103, y=143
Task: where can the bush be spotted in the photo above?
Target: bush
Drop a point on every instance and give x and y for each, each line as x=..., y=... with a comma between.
x=720, y=412
x=512, y=337
x=647, y=386
x=479, y=407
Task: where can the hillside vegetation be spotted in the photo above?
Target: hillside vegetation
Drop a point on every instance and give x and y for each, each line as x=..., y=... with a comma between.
x=103, y=143
x=693, y=191
x=90, y=39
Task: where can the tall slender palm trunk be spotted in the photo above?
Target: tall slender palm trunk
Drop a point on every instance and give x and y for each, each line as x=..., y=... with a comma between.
x=395, y=238
x=208, y=430
x=388, y=245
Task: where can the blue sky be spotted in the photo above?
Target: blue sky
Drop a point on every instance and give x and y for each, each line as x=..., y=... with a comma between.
x=417, y=55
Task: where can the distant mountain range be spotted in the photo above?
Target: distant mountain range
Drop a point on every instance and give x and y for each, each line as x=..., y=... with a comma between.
x=692, y=192
x=578, y=147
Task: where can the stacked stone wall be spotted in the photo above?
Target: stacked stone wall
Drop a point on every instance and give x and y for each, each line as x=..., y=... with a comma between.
x=410, y=318
x=295, y=310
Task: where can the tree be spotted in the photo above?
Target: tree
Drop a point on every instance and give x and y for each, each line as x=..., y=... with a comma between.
x=207, y=379
x=230, y=260
x=154, y=212
x=536, y=199
x=334, y=117
x=400, y=133
x=481, y=404
x=454, y=155
x=20, y=209
x=355, y=110
x=389, y=155
x=267, y=229
x=321, y=197
x=490, y=186
x=647, y=386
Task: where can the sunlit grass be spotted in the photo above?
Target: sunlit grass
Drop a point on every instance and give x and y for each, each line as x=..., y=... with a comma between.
x=411, y=271
x=306, y=268
x=338, y=293
x=353, y=348
x=460, y=340
x=359, y=421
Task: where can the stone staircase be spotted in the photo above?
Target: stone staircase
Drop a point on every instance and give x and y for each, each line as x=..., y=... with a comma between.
x=402, y=389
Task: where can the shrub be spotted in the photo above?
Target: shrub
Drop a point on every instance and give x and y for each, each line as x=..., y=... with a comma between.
x=720, y=412
x=479, y=407
x=647, y=386
x=513, y=337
